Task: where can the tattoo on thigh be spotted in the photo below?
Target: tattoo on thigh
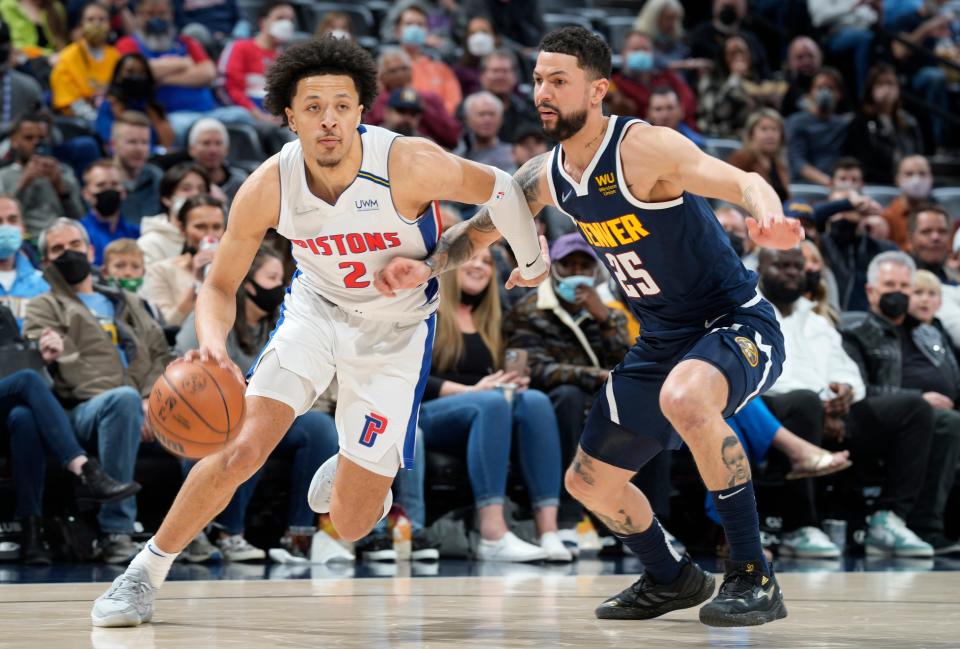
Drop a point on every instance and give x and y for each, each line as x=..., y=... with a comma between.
x=620, y=524
x=583, y=467
x=735, y=459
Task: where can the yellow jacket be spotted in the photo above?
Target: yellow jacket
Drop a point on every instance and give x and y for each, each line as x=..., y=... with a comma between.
x=78, y=75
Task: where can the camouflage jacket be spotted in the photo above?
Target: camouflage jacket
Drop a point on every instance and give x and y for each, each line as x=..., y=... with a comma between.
x=564, y=350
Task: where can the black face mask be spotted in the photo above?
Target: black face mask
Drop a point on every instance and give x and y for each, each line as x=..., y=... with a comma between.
x=780, y=294
x=472, y=301
x=736, y=242
x=107, y=202
x=4, y=55
x=813, y=281
x=844, y=231
x=189, y=250
x=894, y=305
x=727, y=15
x=73, y=265
x=267, y=299
x=135, y=87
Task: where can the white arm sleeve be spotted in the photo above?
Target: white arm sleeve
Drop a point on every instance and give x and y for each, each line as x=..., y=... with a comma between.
x=510, y=214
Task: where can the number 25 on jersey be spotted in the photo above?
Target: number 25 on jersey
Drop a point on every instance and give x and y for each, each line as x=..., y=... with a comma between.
x=634, y=279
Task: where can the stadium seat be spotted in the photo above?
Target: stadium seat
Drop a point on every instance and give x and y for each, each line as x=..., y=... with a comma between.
x=555, y=21
x=310, y=13
x=809, y=193
x=245, y=144
x=949, y=198
x=883, y=194
x=617, y=29
x=721, y=148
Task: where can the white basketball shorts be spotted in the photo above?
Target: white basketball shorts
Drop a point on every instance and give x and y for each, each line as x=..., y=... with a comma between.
x=381, y=369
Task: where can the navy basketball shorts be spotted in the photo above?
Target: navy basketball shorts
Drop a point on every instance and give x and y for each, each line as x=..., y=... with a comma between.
x=626, y=427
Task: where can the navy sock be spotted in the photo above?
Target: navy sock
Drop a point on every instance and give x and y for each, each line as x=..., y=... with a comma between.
x=658, y=557
x=737, y=507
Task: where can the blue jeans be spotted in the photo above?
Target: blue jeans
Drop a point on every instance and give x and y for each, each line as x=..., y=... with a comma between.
x=113, y=421
x=857, y=43
x=182, y=120
x=312, y=439
x=931, y=84
x=484, y=423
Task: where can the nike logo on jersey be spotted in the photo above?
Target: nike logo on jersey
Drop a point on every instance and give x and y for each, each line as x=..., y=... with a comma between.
x=722, y=497
x=567, y=195
x=709, y=323
x=304, y=209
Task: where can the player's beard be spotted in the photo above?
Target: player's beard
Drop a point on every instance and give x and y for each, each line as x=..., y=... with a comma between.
x=566, y=126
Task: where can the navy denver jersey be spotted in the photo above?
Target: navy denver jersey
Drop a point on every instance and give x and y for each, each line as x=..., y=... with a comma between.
x=672, y=259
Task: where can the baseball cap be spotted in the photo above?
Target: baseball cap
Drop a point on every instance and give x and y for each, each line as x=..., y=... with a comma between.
x=568, y=244
x=798, y=210
x=405, y=99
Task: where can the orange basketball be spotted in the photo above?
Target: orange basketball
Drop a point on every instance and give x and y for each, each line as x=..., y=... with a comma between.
x=195, y=408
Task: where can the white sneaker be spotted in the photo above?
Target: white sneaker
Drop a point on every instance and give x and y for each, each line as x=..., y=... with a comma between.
x=236, y=548
x=808, y=543
x=509, y=548
x=320, y=492
x=571, y=541
x=889, y=536
x=321, y=486
x=128, y=601
x=325, y=549
x=553, y=545
x=200, y=549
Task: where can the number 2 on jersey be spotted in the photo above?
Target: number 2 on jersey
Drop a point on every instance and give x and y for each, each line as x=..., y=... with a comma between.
x=352, y=280
x=634, y=279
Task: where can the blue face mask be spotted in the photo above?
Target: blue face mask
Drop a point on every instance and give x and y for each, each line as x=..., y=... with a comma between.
x=413, y=35
x=640, y=61
x=10, y=240
x=156, y=26
x=566, y=287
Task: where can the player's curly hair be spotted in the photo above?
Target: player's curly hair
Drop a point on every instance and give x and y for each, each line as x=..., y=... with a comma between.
x=324, y=55
x=592, y=52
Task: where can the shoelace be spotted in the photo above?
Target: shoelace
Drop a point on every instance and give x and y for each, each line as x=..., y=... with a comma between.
x=129, y=586
x=738, y=583
x=642, y=585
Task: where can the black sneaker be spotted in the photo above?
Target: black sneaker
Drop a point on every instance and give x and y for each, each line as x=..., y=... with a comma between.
x=747, y=597
x=646, y=599
x=33, y=549
x=422, y=548
x=97, y=487
x=376, y=546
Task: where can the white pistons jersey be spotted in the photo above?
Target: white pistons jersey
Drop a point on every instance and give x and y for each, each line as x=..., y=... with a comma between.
x=339, y=248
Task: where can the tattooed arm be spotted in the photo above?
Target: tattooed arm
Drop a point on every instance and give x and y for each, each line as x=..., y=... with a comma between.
x=462, y=241
x=678, y=165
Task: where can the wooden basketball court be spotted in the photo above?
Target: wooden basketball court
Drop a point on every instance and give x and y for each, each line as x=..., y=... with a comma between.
x=535, y=607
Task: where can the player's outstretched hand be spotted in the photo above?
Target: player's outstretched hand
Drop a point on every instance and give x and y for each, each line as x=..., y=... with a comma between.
x=401, y=273
x=776, y=232
x=218, y=355
x=516, y=279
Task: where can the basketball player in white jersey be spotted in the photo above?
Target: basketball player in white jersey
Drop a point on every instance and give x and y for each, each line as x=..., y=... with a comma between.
x=349, y=198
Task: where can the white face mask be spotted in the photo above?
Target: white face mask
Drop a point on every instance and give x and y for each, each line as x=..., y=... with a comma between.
x=916, y=186
x=339, y=33
x=843, y=185
x=281, y=30
x=480, y=43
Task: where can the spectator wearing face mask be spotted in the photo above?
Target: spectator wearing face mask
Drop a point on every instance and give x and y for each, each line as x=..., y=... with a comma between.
x=820, y=286
x=133, y=89
x=104, y=192
x=640, y=73
x=19, y=280
x=123, y=268
x=83, y=69
x=479, y=42
x=429, y=75
x=899, y=355
x=395, y=73
x=172, y=284
x=816, y=135
x=707, y=39
x=734, y=223
x=244, y=62
x=336, y=24
x=915, y=180
x=162, y=238
x=663, y=21
x=882, y=132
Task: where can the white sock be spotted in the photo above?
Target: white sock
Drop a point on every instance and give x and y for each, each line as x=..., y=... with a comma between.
x=387, y=504
x=155, y=561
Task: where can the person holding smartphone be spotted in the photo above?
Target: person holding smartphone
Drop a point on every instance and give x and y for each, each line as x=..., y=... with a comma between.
x=476, y=402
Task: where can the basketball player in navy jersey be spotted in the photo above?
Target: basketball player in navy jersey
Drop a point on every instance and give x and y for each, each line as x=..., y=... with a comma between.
x=349, y=198
x=709, y=342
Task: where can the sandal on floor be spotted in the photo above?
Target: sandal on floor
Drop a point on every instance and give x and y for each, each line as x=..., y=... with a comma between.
x=818, y=465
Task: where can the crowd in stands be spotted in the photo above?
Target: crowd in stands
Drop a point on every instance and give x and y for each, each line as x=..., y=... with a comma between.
x=127, y=127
